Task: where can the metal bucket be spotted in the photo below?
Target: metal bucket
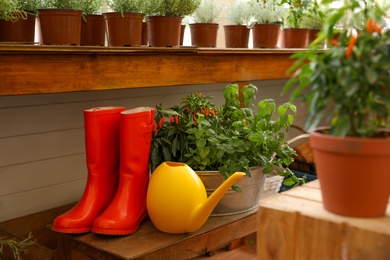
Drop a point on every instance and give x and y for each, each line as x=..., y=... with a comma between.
x=235, y=202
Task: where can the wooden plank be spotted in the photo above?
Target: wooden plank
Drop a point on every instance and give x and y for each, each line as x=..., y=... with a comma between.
x=27, y=72
x=41, y=174
x=35, y=147
x=35, y=200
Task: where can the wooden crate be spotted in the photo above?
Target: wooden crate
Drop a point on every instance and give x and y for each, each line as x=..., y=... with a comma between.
x=45, y=247
x=294, y=225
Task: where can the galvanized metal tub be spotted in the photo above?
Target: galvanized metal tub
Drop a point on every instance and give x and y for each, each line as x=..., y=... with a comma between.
x=235, y=202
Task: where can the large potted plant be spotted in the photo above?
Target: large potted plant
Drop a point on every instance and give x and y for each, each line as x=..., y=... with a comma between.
x=236, y=136
x=237, y=32
x=92, y=24
x=164, y=19
x=60, y=21
x=124, y=24
x=204, y=29
x=268, y=16
x=348, y=85
x=17, y=20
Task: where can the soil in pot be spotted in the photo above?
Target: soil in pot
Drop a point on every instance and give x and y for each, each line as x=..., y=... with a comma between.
x=124, y=30
x=21, y=31
x=93, y=30
x=60, y=26
x=164, y=31
x=204, y=34
x=265, y=35
x=236, y=36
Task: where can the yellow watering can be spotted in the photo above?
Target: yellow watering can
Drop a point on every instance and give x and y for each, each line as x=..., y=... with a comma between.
x=177, y=201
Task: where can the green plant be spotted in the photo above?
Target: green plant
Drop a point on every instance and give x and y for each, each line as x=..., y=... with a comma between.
x=91, y=6
x=28, y=5
x=296, y=12
x=61, y=4
x=239, y=13
x=207, y=12
x=127, y=6
x=10, y=11
x=17, y=247
x=314, y=16
x=267, y=12
x=348, y=84
x=175, y=8
x=233, y=137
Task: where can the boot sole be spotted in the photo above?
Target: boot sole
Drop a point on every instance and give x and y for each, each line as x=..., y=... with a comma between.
x=114, y=232
x=72, y=230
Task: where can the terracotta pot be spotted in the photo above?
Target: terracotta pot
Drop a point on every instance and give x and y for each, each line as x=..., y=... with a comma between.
x=123, y=30
x=312, y=35
x=60, y=26
x=204, y=34
x=295, y=38
x=23, y=30
x=93, y=30
x=236, y=36
x=164, y=31
x=353, y=174
x=144, y=40
x=265, y=35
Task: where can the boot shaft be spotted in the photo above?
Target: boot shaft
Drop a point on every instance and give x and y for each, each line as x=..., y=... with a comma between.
x=102, y=126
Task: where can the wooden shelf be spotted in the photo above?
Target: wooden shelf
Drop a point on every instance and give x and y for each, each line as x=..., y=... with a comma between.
x=33, y=69
x=149, y=243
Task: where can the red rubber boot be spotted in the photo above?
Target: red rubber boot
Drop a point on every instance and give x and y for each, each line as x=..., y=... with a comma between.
x=128, y=208
x=102, y=155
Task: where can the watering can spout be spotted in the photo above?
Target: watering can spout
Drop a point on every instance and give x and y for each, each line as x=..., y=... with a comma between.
x=201, y=213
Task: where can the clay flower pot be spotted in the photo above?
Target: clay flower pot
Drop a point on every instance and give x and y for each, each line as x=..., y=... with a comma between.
x=124, y=30
x=23, y=30
x=353, y=174
x=236, y=36
x=295, y=38
x=93, y=30
x=163, y=31
x=204, y=34
x=265, y=35
x=60, y=26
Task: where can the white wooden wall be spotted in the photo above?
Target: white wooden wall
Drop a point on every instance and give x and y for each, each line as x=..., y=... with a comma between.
x=42, y=154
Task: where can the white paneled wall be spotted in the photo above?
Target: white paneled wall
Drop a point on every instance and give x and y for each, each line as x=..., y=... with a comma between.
x=42, y=154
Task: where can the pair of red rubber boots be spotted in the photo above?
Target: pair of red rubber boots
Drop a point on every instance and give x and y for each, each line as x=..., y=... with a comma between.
x=117, y=155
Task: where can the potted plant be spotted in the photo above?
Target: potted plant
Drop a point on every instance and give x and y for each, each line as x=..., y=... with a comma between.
x=348, y=85
x=17, y=20
x=239, y=15
x=204, y=28
x=268, y=16
x=60, y=21
x=92, y=24
x=164, y=19
x=294, y=35
x=124, y=24
x=222, y=140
